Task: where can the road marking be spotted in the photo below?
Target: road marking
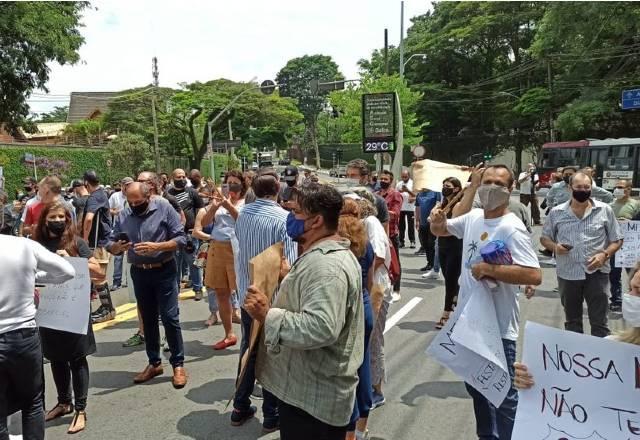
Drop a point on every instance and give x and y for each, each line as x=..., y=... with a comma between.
x=129, y=311
x=396, y=317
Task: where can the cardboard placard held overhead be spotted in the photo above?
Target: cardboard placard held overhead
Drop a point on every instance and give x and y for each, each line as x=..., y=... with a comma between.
x=429, y=174
x=264, y=271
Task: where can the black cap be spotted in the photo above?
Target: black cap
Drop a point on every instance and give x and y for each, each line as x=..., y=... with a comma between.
x=290, y=173
x=91, y=177
x=76, y=183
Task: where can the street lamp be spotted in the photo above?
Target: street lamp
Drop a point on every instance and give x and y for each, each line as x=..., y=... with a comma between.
x=424, y=58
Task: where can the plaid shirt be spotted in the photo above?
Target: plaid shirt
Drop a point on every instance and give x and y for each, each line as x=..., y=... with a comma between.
x=394, y=203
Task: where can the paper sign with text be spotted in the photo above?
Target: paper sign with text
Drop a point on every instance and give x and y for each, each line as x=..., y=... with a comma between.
x=585, y=387
x=629, y=254
x=463, y=354
x=66, y=306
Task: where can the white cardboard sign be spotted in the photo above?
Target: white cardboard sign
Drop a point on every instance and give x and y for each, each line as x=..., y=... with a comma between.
x=629, y=254
x=66, y=306
x=585, y=387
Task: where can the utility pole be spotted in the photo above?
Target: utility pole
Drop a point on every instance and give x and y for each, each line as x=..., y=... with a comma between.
x=552, y=135
x=156, y=150
x=396, y=165
x=402, y=40
x=386, y=52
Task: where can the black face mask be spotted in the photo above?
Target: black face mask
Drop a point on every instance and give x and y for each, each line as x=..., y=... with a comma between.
x=385, y=185
x=141, y=208
x=179, y=184
x=57, y=227
x=566, y=179
x=447, y=191
x=291, y=183
x=581, y=196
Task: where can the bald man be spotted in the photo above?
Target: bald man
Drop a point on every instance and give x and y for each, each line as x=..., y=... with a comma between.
x=151, y=233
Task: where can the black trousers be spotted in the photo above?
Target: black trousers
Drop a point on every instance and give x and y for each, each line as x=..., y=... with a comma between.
x=22, y=382
x=395, y=241
x=525, y=199
x=296, y=424
x=62, y=375
x=406, y=222
x=428, y=241
x=451, y=264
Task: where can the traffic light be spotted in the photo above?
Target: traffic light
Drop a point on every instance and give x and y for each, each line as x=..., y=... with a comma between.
x=487, y=156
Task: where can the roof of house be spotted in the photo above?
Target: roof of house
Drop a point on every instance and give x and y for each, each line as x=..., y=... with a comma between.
x=85, y=105
x=46, y=130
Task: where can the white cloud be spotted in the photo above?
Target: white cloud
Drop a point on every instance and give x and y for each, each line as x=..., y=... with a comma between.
x=203, y=40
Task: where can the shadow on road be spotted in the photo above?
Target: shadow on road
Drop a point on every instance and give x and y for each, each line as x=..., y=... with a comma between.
x=212, y=425
x=219, y=390
x=111, y=381
x=418, y=326
x=439, y=390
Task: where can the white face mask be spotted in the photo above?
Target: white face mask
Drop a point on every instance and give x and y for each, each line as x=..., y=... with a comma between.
x=493, y=196
x=631, y=309
x=618, y=193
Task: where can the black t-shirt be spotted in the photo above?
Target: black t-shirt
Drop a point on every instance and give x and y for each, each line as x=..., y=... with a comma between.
x=98, y=204
x=53, y=244
x=79, y=202
x=190, y=202
x=173, y=202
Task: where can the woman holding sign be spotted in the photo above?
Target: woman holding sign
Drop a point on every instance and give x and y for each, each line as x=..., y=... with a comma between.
x=67, y=351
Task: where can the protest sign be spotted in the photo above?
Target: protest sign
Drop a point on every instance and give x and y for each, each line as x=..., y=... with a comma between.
x=477, y=359
x=429, y=174
x=585, y=387
x=629, y=254
x=66, y=306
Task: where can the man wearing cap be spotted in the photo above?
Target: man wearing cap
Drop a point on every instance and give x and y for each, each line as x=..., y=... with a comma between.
x=286, y=192
x=117, y=203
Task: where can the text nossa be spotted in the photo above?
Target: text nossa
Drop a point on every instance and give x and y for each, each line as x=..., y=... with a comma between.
x=579, y=364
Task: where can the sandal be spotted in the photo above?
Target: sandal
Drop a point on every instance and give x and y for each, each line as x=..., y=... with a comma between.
x=61, y=409
x=78, y=423
x=442, y=322
x=213, y=320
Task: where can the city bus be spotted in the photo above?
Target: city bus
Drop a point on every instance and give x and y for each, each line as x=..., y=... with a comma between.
x=613, y=159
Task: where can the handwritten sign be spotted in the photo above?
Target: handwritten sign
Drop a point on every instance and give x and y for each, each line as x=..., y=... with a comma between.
x=66, y=306
x=629, y=254
x=585, y=387
x=472, y=347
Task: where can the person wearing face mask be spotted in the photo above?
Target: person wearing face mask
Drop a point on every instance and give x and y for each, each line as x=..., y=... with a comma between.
x=67, y=351
x=597, y=193
x=630, y=313
x=583, y=234
x=259, y=225
x=314, y=330
x=624, y=208
x=528, y=181
x=291, y=181
x=190, y=202
x=49, y=190
x=477, y=228
x=149, y=230
x=220, y=271
x=394, y=205
x=559, y=192
x=405, y=186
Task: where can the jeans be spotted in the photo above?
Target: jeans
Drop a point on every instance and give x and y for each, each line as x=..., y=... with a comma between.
x=62, y=376
x=22, y=382
x=156, y=291
x=615, y=279
x=593, y=291
x=429, y=243
x=364, y=395
x=296, y=424
x=242, y=398
x=117, y=269
x=407, y=224
x=213, y=301
x=395, y=240
x=451, y=260
x=496, y=423
x=185, y=264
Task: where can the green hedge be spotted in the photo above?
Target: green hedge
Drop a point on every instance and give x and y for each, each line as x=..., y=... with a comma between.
x=78, y=159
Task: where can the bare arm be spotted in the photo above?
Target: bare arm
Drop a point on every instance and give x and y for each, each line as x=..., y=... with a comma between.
x=86, y=225
x=469, y=196
x=510, y=274
x=197, y=227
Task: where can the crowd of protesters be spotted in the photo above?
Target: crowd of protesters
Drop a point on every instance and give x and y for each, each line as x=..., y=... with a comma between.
x=321, y=360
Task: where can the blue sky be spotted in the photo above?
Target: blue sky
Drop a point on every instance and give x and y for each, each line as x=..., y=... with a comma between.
x=204, y=40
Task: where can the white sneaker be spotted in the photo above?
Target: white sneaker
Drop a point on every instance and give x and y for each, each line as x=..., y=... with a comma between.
x=431, y=275
x=395, y=297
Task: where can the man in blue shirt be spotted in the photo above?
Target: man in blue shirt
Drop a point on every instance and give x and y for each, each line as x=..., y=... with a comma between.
x=149, y=229
x=425, y=201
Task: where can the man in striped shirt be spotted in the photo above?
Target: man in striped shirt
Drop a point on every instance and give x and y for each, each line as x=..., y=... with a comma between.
x=583, y=234
x=259, y=225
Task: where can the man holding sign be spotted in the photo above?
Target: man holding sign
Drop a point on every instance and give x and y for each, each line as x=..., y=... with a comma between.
x=478, y=228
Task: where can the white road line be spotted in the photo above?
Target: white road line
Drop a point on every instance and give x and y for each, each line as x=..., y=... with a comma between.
x=401, y=313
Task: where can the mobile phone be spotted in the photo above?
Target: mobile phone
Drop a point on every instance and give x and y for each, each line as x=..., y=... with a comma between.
x=225, y=189
x=122, y=236
x=566, y=246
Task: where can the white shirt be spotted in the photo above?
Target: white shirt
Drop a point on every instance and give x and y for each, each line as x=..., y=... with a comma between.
x=381, y=249
x=476, y=232
x=406, y=205
x=117, y=201
x=224, y=225
x=525, y=186
x=22, y=261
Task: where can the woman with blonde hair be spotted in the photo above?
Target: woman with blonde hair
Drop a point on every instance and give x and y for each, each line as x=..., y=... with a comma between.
x=350, y=226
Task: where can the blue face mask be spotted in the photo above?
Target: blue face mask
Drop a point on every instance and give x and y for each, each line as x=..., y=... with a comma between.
x=295, y=227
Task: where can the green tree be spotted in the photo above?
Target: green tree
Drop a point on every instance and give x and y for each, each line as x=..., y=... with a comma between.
x=88, y=132
x=58, y=114
x=294, y=81
x=33, y=34
x=130, y=154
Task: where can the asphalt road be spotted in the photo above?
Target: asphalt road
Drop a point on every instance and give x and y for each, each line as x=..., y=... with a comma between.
x=424, y=400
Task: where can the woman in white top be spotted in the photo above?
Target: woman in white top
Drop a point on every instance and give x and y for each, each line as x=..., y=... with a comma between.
x=220, y=272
